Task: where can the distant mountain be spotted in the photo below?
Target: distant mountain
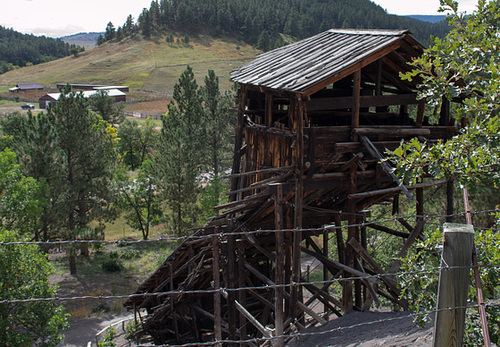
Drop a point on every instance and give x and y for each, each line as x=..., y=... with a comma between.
x=87, y=40
x=428, y=18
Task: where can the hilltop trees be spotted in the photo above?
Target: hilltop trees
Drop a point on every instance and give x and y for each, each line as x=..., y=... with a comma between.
x=18, y=49
x=265, y=21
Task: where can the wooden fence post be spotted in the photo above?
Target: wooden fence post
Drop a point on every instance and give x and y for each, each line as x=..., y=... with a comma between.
x=280, y=266
x=458, y=243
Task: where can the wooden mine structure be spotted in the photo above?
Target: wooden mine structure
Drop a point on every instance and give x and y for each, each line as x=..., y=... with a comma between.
x=314, y=120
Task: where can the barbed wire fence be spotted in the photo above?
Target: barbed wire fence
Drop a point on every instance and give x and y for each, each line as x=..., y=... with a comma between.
x=431, y=220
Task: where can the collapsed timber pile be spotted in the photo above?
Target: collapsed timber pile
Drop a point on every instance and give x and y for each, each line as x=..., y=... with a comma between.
x=314, y=120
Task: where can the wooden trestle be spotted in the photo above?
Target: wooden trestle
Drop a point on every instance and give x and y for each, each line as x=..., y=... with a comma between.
x=307, y=166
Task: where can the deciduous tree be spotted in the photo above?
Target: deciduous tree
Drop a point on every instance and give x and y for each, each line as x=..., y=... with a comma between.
x=24, y=274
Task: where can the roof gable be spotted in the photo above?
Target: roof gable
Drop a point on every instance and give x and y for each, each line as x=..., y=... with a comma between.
x=300, y=66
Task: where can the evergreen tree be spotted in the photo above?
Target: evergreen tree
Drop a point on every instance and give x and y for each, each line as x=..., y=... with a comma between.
x=145, y=23
x=264, y=42
x=39, y=155
x=106, y=107
x=128, y=27
x=179, y=153
x=100, y=40
x=110, y=33
x=71, y=150
x=219, y=125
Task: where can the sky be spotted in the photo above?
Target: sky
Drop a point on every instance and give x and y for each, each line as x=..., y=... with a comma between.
x=57, y=18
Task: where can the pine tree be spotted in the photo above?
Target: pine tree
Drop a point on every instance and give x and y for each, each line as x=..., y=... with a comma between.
x=110, y=33
x=179, y=153
x=219, y=125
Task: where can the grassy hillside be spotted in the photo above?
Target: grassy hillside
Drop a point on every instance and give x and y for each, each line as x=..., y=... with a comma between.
x=140, y=64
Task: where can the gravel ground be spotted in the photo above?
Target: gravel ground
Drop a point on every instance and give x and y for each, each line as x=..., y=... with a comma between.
x=367, y=329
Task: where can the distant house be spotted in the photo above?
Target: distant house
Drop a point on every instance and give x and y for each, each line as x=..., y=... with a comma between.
x=26, y=86
x=76, y=86
x=52, y=98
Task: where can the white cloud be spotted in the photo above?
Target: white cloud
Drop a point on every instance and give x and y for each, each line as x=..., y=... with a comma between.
x=57, y=18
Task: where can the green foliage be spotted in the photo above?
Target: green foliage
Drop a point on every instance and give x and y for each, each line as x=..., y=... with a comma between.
x=140, y=200
x=212, y=195
x=219, y=124
x=112, y=265
x=106, y=107
x=21, y=198
x=87, y=157
x=136, y=141
x=24, y=272
x=466, y=65
x=131, y=329
x=179, y=160
x=108, y=338
x=110, y=33
x=71, y=151
x=248, y=20
x=420, y=282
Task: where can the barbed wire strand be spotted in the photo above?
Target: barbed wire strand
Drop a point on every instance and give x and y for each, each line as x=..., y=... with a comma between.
x=248, y=232
x=329, y=331
x=239, y=289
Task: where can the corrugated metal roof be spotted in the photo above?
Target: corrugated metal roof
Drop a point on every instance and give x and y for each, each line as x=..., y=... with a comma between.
x=89, y=93
x=303, y=64
x=27, y=86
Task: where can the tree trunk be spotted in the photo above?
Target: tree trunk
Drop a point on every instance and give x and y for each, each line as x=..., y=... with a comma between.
x=72, y=262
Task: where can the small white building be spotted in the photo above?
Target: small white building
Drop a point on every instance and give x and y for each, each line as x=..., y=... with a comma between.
x=52, y=98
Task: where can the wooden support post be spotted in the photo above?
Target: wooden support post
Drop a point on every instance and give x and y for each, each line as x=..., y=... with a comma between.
x=477, y=278
x=420, y=113
x=444, y=115
x=217, y=294
x=364, y=244
x=352, y=233
x=269, y=109
x=280, y=266
x=242, y=298
x=238, y=140
x=325, y=270
x=296, y=291
x=356, y=96
x=266, y=333
x=231, y=281
x=176, y=324
x=453, y=284
x=340, y=239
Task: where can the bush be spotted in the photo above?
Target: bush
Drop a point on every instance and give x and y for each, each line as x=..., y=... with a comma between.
x=112, y=265
x=129, y=254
